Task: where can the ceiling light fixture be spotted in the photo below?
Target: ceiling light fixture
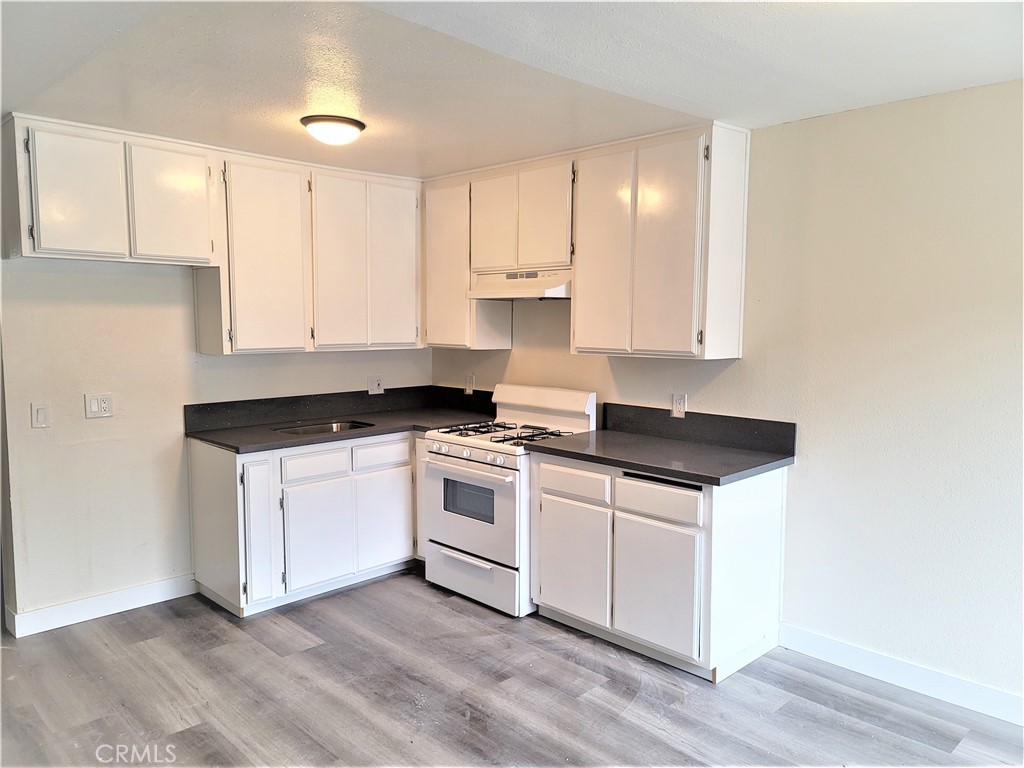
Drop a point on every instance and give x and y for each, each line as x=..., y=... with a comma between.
x=331, y=129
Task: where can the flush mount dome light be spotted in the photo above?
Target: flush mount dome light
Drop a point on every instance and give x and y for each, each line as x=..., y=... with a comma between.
x=331, y=129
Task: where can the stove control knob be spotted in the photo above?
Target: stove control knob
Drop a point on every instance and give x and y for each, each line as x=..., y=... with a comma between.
x=489, y=457
x=466, y=452
x=435, y=446
x=444, y=449
x=499, y=460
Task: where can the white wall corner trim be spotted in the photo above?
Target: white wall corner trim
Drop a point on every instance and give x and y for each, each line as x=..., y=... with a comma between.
x=54, y=616
x=905, y=674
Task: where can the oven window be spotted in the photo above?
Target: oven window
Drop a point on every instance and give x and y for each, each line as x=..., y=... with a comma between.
x=469, y=500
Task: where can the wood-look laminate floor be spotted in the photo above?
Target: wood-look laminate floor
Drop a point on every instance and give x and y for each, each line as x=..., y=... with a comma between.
x=398, y=672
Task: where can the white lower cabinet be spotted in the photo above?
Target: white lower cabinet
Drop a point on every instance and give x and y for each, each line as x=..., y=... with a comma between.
x=687, y=574
x=657, y=582
x=578, y=579
x=277, y=526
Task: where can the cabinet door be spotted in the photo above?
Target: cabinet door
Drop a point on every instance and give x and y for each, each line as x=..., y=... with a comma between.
x=79, y=196
x=493, y=224
x=545, y=216
x=447, y=265
x=319, y=535
x=339, y=261
x=170, y=204
x=384, y=518
x=394, y=293
x=656, y=595
x=268, y=238
x=575, y=558
x=666, y=263
x=601, y=272
x=264, y=554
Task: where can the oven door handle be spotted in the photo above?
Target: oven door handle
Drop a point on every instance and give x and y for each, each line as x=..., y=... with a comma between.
x=467, y=471
x=468, y=560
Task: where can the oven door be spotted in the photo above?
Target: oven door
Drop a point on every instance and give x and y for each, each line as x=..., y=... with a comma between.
x=472, y=507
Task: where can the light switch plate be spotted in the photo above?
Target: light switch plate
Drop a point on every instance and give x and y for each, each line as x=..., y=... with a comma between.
x=678, y=405
x=375, y=385
x=40, y=415
x=99, y=405
x=470, y=383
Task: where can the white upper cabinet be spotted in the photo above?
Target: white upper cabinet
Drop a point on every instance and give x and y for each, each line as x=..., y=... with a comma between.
x=666, y=259
x=603, y=268
x=493, y=224
x=522, y=220
x=268, y=243
x=170, y=204
x=340, y=270
x=452, y=319
x=394, y=265
x=660, y=273
x=365, y=262
x=545, y=216
x=79, y=205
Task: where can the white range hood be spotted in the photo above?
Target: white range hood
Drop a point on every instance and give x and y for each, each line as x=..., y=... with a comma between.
x=522, y=284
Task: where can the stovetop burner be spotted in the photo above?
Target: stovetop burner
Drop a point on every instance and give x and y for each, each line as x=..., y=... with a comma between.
x=479, y=428
x=529, y=434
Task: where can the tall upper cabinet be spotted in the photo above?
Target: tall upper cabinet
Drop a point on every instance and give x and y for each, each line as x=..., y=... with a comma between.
x=660, y=240
x=87, y=193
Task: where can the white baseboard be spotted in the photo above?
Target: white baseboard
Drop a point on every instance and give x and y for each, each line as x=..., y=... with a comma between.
x=32, y=622
x=938, y=685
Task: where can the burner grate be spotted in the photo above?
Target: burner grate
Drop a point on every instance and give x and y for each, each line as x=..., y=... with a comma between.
x=478, y=428
x=529, y=434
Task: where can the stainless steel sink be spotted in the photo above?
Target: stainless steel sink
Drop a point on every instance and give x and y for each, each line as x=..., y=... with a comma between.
x=323, y=429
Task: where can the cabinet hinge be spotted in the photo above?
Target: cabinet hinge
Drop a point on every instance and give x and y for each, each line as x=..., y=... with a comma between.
x=32, y=231
x=224, y=175
x=283, y=579
x=700, y=337
x=312, y=333
x=241, y=478
x=309, y=184
x=707, y=151
x=28, y=151
x=245, y=588
x=572, y=249
x=573, y=175
x=417, y=203
x=280, y=502
x=209, y=172
x=231, y=336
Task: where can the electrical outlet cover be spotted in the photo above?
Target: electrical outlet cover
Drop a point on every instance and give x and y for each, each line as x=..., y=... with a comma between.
x=678, y=405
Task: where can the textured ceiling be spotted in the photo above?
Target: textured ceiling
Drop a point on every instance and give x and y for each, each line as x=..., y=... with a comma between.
x=445, y=87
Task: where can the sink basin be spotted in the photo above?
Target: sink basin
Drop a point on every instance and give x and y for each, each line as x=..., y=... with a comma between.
x=323, y=429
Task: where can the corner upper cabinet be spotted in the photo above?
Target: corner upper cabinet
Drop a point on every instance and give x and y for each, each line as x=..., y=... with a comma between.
x=365, y=262
x=268, y=239
x=94, y=194
x=453, y=320
x=660, y=246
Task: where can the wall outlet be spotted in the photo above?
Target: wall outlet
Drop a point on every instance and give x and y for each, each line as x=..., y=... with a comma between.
x=99, y=406
x=678, y=405
x=470, y=383
x=375, y=385
x=40, y=415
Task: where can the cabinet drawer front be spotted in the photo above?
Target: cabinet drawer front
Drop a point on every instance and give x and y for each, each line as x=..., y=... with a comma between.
x=381, y=454
x=321, y=464
x=665, y=501
x=576, y=482
x=478, y=579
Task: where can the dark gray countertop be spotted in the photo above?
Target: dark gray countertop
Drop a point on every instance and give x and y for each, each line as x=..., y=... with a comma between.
x=262, y=437
x=678, y=459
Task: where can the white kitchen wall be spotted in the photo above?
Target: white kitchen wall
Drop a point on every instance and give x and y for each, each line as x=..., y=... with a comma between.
x=102, y=505
x=883, y=316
